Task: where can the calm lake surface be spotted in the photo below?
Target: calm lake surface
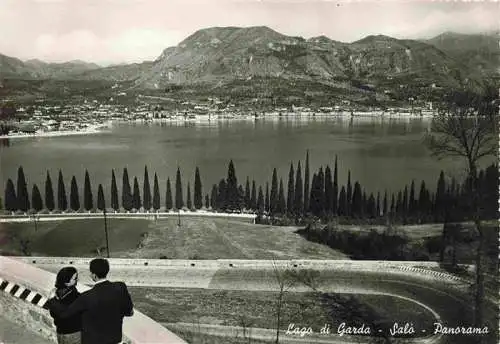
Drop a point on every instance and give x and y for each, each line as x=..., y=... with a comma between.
x=381, y=154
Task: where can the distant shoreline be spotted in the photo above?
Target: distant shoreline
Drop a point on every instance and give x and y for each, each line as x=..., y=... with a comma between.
x=54, y=134
x=216, y=118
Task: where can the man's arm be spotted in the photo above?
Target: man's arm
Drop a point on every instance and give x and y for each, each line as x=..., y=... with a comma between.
x=128, y=306
x=63, y=311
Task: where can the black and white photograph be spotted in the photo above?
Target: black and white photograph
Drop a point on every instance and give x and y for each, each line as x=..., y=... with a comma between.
x=249, y=172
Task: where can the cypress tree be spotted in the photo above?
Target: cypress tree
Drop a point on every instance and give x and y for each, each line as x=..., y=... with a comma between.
x=306, y=184
x=267, y=199
x=440, y=200
x=207, y=201
x=411, y=201
x=422, y=201
x=377, y=208
x=189, y=204
x=320, y=189
x=127, y=200
x=101, y=203
x=342, y=202
x=36, y=198
x=179, y=202
x=247, y=196
x=168, y=197
x=136, y=196
x=298, y=194
x=328, y=191
x=357, y=201
x=49, y=193
x=232, y=193
x=314, y=196
x=432, y=204
x=213, y=197
x=399, y=204
x=260, y=202
x=364, y=205
x=393, y=206
x=146, y=191
x=198, y=198
x=241, y=198
x=290, y=200
x=281, y=199
x=371, y=207
x=114, y=192
x=405, y=202
x=349, y=193
x=335, y=189
x=449, y=210
x=62, y=201
x=222, y=195
x=386, y=210
x=253, y=197
x=273, y=205
x=156, y=194
x=88, y=201
x=10, y=196
x=74, y=197
x=23, y=201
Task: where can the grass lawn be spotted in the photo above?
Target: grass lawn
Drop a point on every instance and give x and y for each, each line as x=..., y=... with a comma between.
x=72, y=237
x=258, y=309
x=196, y=238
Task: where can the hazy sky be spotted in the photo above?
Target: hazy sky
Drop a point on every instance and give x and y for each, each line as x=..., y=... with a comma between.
x=115, y=31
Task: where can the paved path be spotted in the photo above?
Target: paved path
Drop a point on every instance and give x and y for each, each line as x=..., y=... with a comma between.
x=13, y=333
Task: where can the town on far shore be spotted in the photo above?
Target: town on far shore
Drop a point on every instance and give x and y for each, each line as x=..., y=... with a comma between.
x=44, y=118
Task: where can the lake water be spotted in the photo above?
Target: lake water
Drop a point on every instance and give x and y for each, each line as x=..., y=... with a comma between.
x=381, y=154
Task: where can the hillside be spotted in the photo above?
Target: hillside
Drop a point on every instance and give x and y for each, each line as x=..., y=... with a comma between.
x=123, y=72
x=219, y=54
x=256, y=62
x=480, y=51
x=35, y=69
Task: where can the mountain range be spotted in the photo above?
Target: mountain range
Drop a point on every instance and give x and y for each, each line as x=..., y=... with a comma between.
x=221, y=55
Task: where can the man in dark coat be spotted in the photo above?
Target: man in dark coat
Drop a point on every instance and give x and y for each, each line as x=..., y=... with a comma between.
x=102, y=307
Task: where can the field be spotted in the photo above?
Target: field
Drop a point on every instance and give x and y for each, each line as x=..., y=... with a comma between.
x=196, y=238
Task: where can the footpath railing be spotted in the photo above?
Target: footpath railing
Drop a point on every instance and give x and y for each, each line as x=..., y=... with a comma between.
x=27, y=287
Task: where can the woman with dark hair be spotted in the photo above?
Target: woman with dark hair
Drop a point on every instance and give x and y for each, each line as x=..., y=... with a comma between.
x=68, y=329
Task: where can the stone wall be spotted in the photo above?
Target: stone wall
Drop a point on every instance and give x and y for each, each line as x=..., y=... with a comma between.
x=31, y=317
x=138, y=329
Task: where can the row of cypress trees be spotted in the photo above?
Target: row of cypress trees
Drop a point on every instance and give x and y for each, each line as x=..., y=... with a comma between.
x=132, y=198
x=323, y=197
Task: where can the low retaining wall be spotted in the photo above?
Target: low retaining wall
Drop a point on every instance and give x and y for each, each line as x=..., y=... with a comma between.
x=138, y=329
x=30, y=316
x=125, y=215
x=189, y=273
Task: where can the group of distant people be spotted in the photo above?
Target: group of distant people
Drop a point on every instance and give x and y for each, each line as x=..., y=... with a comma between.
x=95, y=316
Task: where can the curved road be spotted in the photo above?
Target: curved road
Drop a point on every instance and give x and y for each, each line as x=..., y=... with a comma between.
x=443, y=295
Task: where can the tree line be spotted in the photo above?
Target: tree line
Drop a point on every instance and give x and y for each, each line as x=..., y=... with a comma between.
x=319, y=196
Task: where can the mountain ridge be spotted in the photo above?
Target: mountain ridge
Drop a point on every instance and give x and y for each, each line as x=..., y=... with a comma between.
x=218, y=55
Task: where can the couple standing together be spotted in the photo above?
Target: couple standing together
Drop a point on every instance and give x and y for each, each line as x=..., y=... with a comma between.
x=92, y=317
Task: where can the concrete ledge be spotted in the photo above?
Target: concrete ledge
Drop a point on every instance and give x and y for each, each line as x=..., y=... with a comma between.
x=125, y=215
x=161, y=272
x=138, y=329
x=32, y=318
